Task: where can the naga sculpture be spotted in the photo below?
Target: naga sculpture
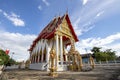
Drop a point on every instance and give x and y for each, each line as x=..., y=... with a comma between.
x=52, y=63
x=92, y=62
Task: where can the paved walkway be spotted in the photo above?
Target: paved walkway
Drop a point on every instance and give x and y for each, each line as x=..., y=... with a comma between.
x=99, y=73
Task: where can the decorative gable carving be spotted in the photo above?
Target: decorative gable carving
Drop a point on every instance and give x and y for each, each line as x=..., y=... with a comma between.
x=64, y=29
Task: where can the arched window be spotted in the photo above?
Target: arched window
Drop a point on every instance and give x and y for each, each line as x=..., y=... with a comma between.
x=36, y=57
x=32, y=58
x=44, y=55
x=40, y=55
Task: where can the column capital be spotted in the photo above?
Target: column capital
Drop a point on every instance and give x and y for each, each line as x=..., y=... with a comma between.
x=56, y=35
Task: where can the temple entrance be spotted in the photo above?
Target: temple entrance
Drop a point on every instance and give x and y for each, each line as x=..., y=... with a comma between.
x=72, y=58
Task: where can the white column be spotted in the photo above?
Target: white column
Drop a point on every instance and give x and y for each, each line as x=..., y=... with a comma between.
x=47, y=58
x=61, y=50
x=57, y=52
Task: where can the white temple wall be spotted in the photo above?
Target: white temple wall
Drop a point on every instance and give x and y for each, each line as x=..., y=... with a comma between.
x=41, y=45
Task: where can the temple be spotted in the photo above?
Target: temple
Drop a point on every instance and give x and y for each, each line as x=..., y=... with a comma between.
x=57, y=35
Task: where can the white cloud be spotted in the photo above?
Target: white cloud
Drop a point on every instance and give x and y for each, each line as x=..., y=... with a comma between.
x=85, y=19
x=90, y=14
x=15, y=19
x=85, y=2
x=110, y=39
x=40, y=7
x=0, y=10
x=107, y=42
x=100, y=13
x=76, y=23
x=46, y=2
x=78, y=32
x=17, y=43
x=115, y=47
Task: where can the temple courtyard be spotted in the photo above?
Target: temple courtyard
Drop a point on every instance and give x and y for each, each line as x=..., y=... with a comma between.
x=99, y=73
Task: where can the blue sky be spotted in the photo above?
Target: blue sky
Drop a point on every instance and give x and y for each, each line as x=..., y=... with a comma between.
x=96, y=23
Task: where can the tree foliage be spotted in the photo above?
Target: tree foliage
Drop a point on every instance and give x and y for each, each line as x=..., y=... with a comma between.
x=11, y=62
x=4, y=58
x=103, y=55
x=96, y=49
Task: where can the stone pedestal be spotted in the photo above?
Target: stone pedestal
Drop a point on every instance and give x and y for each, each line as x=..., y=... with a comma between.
x=53, y=72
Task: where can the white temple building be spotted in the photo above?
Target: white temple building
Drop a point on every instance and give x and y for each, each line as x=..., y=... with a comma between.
x=58, y=34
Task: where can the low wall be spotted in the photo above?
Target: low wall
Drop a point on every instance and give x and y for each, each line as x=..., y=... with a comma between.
x=38, y=66
x=12, y=67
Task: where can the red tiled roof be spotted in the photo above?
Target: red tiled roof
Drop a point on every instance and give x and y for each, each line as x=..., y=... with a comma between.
x=49, y=30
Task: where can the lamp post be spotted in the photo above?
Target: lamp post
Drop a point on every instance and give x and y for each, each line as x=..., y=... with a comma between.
x=12, y=54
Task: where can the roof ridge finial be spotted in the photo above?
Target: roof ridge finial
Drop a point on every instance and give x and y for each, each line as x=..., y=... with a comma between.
x=67, y=11
x=59, y=14
x=55, y=16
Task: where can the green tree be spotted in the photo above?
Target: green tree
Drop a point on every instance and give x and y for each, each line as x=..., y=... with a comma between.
x=96, y=49
x=96, y=53
x=110, y=55
x=103, y=55
x=4, y=58
x=11, y=62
